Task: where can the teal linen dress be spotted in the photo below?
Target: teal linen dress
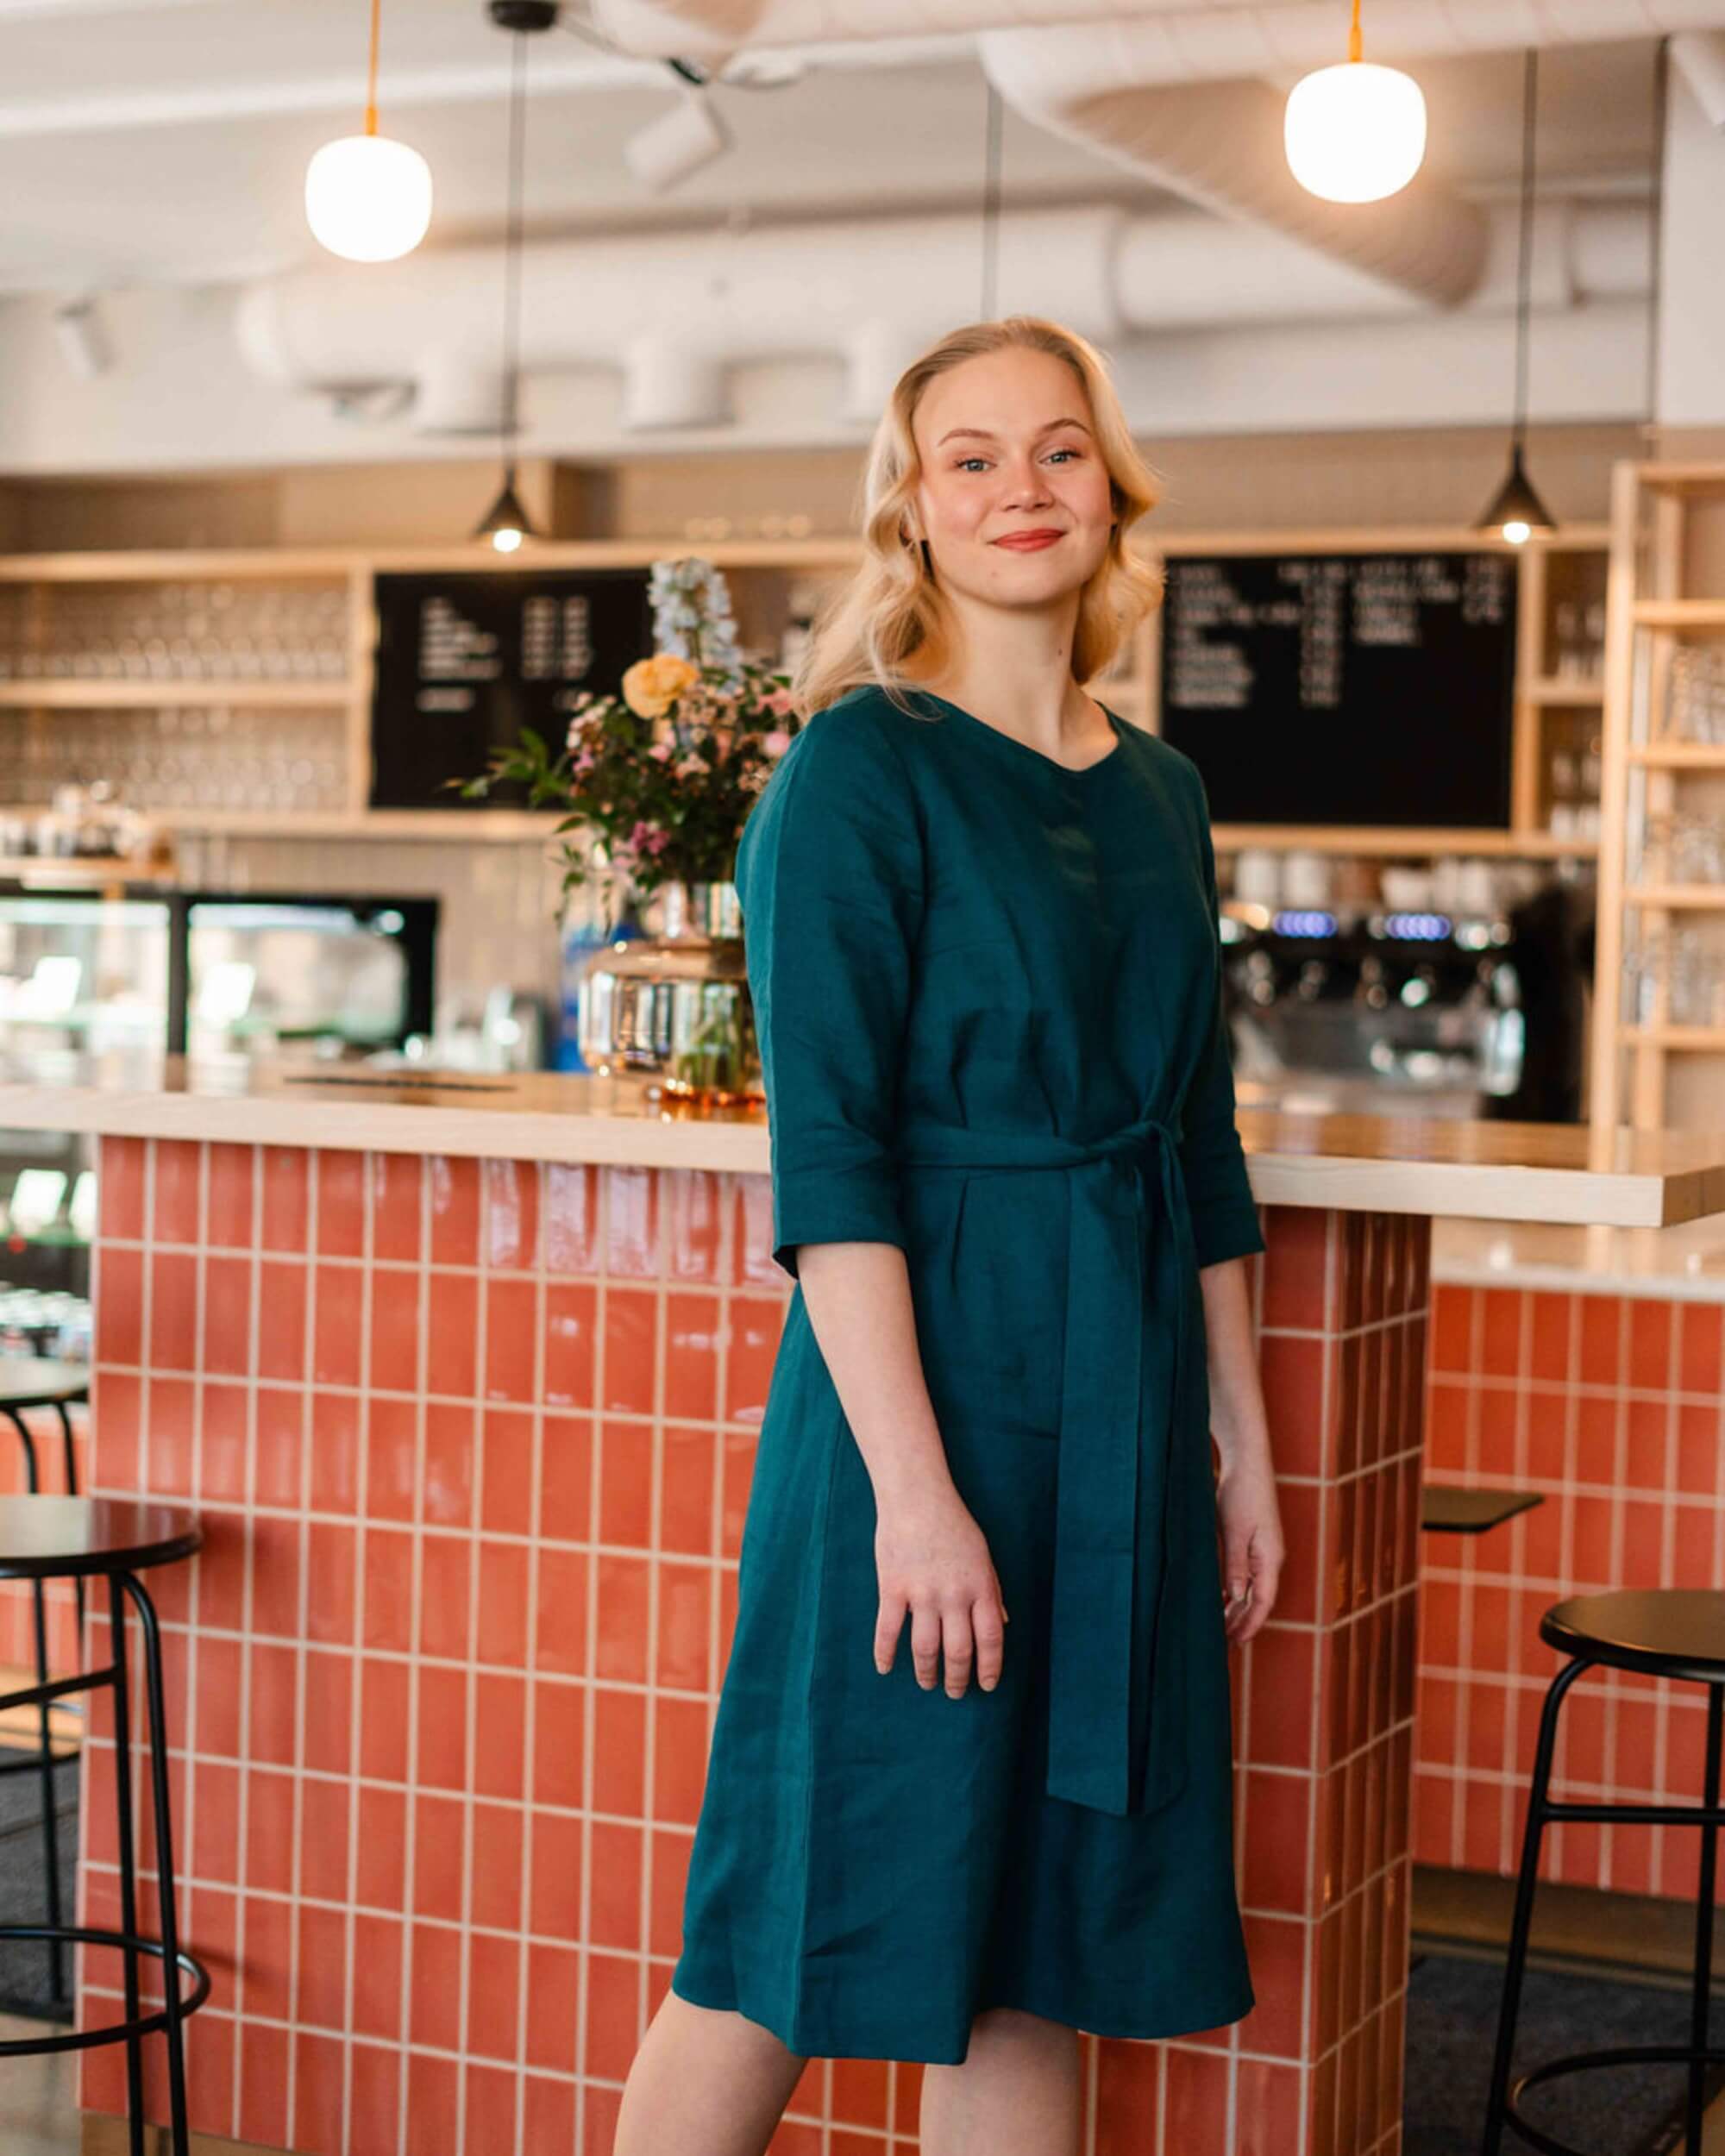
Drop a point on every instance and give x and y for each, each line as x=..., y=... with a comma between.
x=988, y=990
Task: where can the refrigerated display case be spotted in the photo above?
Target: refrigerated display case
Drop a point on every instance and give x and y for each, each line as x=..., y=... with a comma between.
x=211, y=972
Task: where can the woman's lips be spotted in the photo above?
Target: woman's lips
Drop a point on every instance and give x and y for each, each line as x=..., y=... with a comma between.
x=1027, y=542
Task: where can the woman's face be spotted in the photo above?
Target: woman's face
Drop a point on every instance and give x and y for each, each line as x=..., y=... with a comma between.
x=1008, y=459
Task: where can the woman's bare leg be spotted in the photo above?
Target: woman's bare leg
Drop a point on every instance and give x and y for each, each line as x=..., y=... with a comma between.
x=705, y=2081
x=1015, y=2095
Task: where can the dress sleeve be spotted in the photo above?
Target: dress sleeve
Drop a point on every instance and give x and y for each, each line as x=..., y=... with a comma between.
x=1224, y=1222
x=830, y=877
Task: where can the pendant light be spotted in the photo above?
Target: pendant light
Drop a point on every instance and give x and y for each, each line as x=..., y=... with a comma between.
x=1355, y=132
x=1516, y=512
x=505, y=523
x=368, y=198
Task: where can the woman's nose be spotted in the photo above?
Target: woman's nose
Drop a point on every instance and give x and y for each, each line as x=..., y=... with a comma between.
x=1029, y=484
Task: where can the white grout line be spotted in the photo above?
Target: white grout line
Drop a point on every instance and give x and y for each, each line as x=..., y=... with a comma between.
x=410, y=1763
x=598, y=1185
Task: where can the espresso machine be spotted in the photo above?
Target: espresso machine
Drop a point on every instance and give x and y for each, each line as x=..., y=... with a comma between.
x=1353, y=1004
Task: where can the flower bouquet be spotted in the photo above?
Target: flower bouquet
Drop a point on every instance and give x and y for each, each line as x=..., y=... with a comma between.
x=660, y=777
x=652, y=785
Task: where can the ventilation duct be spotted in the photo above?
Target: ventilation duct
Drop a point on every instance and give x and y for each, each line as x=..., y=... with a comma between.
x=673, y=312
x=1178, y=96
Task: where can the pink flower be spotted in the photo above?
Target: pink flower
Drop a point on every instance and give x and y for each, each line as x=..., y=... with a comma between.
x=776, y=743
x=663, y=751
x=647, y=837
x=780, y=703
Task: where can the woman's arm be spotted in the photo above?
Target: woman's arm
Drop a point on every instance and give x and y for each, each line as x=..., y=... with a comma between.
x=1252, y=1551
x=931, y=1556
x=830, y=872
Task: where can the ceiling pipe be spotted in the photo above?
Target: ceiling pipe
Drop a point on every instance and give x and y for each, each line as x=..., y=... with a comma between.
x=673, y=313
x=1219, y=145
x=1196, y=43
x=1181, y=97
x=1699, y=56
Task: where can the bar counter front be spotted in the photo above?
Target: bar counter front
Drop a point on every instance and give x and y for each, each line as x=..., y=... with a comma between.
x=462, y=1375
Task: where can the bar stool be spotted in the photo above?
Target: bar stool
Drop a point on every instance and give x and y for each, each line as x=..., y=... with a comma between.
x=71, y=1538
x=1453, y=1508
x=28, y=1382
x=1670, y=1632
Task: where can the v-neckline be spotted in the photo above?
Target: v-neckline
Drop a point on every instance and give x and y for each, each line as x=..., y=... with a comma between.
x=1023, y=748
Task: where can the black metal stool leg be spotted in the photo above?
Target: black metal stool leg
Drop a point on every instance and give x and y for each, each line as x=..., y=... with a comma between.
x=128, y=1897
x=71, y=1455
x=170, y=1928
x=1515, y=1967
x=44, y=1739
x=1704, y=1926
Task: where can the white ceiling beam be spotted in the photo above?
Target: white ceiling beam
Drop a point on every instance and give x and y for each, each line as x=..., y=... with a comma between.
x=403, y=88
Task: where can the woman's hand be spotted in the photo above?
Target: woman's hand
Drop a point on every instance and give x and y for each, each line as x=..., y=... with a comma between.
x=933, y=1560
x=1252, y=1549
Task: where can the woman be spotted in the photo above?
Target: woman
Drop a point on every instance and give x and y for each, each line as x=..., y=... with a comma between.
x=980, y=919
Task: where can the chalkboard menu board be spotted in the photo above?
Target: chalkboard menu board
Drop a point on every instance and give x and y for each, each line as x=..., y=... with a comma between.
x=1366, y=689
x=463, y=661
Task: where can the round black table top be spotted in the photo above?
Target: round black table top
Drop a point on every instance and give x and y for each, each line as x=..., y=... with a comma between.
x=32, y=1381
x=43, y=1537
x=1665, y=1631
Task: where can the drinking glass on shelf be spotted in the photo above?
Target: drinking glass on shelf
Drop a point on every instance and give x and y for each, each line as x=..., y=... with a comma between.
x=1566, y=621
x=1698, y=849
x=1593, y=641
x=1644, y=975
x=1695, y=695
x=1698, y=980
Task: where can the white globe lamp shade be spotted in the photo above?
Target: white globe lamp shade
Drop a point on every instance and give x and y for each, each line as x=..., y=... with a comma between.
x=368, y=198
x=1355, y=132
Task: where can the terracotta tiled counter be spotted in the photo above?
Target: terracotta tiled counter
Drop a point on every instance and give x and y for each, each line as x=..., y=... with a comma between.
x=465, y=1385
x=1584, y=1363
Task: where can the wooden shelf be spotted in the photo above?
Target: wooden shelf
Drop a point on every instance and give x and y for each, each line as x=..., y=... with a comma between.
x=1499, y=845
x=1665, y=524
x=1679, y=756
x=62, y=692
x=489, y=826
x=1680, y=613
x=1671, y=477
x=1703, y=1039
x=77, y=870
x=1557, y=689
x=1674, y=896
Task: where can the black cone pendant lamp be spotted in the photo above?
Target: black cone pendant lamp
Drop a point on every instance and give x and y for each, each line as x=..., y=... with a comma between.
x=1516, y=513
x=505, y=523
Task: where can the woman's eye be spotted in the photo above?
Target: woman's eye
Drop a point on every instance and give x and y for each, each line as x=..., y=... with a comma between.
x=966, y=464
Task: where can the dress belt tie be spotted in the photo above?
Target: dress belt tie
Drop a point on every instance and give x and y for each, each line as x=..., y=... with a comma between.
x=1117, y=1716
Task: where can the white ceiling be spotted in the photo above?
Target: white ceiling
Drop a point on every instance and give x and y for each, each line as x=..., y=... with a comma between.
x=147, y=142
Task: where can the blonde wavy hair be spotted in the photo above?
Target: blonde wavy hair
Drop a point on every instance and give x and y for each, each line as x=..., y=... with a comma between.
x=889, y=625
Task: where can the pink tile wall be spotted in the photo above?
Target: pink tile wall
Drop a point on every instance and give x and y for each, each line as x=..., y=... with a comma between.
x=472, y=1444
x=1613, y=1407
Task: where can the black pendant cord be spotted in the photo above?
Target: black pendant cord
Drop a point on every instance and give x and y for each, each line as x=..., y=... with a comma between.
x=511, y=271
x=1530, y=93
x=991, y=206
x=1661, y=82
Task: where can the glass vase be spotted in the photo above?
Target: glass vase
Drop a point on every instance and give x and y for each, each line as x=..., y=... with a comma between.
x=674, y=1004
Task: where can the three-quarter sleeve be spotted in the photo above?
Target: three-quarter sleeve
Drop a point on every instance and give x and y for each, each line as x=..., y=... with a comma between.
x=830, y=877
x=1224, y=1222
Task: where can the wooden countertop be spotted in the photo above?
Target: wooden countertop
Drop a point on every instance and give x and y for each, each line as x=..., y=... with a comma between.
x=1487, y=1170
x=1682, y=1263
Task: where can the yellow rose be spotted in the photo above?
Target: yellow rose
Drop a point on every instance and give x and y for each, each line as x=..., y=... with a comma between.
x=652, y=686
